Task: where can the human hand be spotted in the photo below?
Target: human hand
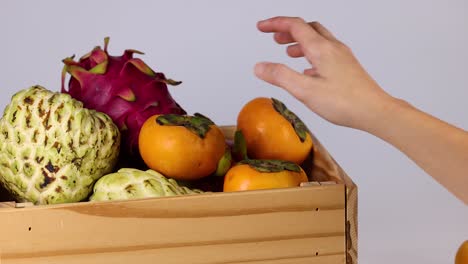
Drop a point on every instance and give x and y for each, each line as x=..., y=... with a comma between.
x=336, y=87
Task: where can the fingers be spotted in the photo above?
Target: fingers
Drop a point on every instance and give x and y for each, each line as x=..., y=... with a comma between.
x=289, y=28
x=295, y=51
x=282, y=76
x=286, y=38
x=283, y=38
x=311, y=72
x=307, y=39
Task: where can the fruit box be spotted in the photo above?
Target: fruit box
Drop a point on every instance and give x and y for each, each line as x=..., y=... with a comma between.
x=313, y=223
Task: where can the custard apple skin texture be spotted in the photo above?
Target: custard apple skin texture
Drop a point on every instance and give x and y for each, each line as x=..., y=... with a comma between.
x=129, y=183
x=52, y=149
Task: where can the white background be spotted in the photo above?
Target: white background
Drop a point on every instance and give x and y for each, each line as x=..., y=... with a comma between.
x=416, y=50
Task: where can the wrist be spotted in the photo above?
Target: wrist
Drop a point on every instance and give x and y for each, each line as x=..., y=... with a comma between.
x=382, y=115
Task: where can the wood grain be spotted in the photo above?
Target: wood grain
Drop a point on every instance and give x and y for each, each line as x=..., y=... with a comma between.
x=249, y=226
x=351, y=224
x=324, y=164
x=197, y=258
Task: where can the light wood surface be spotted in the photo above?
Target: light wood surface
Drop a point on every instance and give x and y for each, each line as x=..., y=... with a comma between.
x=209, y=228
x=324, y=164
x=143, y=256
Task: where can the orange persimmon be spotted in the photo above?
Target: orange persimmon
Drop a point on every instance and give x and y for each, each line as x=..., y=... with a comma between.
x=461, y=256
x=263, y=174
x=180, y=146
x=272, y=131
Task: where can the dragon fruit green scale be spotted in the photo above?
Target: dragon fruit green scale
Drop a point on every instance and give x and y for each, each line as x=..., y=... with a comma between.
x=52, y=149
x=130, y=183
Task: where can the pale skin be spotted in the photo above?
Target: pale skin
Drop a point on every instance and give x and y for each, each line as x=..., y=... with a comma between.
x=339, y=89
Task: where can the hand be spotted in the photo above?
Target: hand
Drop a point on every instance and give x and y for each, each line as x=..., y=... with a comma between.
x=339, y=89
x=336, y=87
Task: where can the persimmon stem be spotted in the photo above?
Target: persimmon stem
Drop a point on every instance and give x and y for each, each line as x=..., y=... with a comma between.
x=271, y=165
x=299, y=126
x=198, y=124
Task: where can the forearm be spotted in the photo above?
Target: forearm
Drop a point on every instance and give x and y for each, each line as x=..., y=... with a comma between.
x=437, y=147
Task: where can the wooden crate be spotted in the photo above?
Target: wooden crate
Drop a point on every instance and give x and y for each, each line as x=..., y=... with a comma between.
x=313, y=223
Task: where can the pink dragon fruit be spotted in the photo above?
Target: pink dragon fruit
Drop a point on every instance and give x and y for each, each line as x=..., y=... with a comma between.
x=123, y=87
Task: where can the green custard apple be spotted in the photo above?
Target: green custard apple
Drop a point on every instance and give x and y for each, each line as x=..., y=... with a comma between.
x=129, y=183
x=52, y=149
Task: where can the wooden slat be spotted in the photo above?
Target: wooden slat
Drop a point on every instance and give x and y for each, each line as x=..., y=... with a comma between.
x=324, y=167
x=140, y=258
x=326, y=197
x=332, y=259
x=351, y=224
x=104, y=234
x=280, y=251
x=137, y=257
x=279, y=218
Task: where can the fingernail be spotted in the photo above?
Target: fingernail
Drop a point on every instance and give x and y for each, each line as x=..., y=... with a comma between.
x=263, y=21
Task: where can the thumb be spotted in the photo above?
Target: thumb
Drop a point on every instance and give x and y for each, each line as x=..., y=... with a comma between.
x=282, y=76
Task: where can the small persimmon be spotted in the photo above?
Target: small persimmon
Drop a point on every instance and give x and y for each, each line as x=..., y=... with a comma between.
x=180, y=146
x=252, y=174
x=272, y=131
x=461, y=256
